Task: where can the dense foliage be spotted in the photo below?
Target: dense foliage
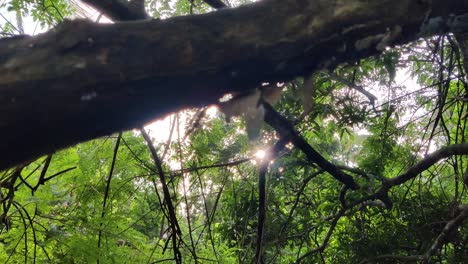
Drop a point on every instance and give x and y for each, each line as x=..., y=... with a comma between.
x=191, y=193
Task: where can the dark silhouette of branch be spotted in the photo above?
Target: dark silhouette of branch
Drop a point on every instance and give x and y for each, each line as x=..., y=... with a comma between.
x=327, y=237
x=173, y=222
x=274, y=152
x=287, y=132
x=54, y=175
x=119, y=10
x=296, y=201
x=208, y=216
x=353, y=86
x=108, y=182
x=45, y=168
x=261, y=210
x=428, y=161
x=8, y=199
x=42, y=177
x=24, y=216
x=184, y=196
x=422, y=165
x=353, y=170
x=217, y=4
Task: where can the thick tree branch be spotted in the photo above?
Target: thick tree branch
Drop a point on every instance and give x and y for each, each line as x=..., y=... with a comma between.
x=422, y=165
x=120, y=10
x=428, y=161
x=82, y=80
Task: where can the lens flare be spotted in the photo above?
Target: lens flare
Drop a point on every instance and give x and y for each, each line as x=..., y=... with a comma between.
x=260, y=154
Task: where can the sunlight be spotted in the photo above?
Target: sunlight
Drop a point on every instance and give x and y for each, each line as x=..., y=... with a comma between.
x=260, y=154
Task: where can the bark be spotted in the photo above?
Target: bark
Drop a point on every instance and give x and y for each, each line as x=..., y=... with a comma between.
x=81, y=80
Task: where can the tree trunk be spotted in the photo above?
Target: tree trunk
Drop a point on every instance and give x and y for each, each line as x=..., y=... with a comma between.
x=82, y=80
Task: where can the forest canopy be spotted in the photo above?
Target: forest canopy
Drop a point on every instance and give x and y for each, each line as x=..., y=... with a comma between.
x=289, y=131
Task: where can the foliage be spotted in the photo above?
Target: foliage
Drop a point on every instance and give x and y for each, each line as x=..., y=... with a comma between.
x=104, y=200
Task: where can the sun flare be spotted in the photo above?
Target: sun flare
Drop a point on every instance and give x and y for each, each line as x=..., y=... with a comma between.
x=260, y=154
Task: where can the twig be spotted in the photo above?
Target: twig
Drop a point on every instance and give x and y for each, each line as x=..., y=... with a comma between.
x=167, y=198
x=296, y=201
x=187, y=205
x=106, y=193
x=327, y=237
x=351, y=85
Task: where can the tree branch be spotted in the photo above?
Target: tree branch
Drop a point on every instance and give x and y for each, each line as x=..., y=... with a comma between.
x=120, y=10
x=428, y=161
x=107, y=191
x=83, y=80
x=327, y=237
x=173, y=222
x=424, y=164
x=450, y=227
x=217, y=4
x=351, y=85
x=287, y=132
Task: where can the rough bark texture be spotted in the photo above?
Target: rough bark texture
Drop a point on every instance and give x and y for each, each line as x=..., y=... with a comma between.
x=82, y=80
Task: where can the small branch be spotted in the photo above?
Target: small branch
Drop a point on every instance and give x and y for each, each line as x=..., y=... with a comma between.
x=422, y=165
x=119, y=10
x=44, y=169
x=428, y=161
x=450, y=227
x=42, y=178
x=8, y=199
x=56, y=174
x=195, y=122
x=286, y=131
x=108, y=182
x=167, y=197
x=186, y=201
x=353, y=170
x=351, y=85
x=327, y=238
x=296, y=201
